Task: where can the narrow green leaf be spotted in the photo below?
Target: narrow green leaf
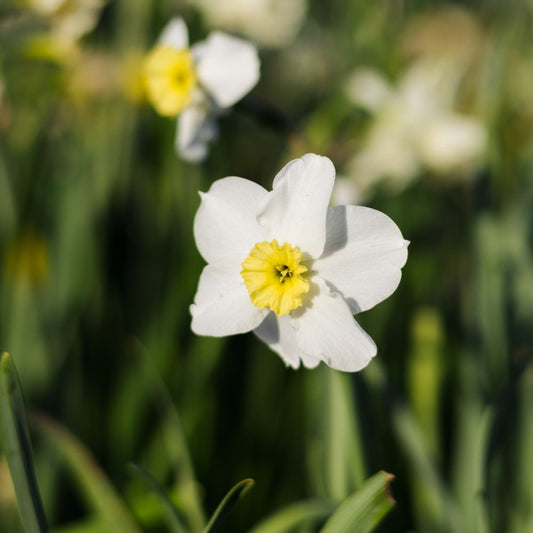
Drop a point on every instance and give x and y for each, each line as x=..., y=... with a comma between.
x=17, y=448
x=297, y=514
x=345, y=470
x=335, y=456
x=231, y=498
x=365, y=509
x=474, y=421
x=425, y=372
x=173, y=520
x=95, y=487
x=168, y=444
x=522, y=516
x=440, y=511
x=88, y=525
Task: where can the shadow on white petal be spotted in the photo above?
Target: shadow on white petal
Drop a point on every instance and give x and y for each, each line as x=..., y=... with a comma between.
x=363, y=255
x=278, y=333
x=326, y=330
x=340, y=239
x=196, y=128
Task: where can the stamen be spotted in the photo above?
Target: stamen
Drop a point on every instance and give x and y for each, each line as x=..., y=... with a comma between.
x=274, y=277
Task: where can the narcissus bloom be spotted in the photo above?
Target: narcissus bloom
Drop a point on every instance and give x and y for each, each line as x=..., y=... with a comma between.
x=415, y=127
x=66, y=22
x=271, y=23
x=286, y=266
x=198, y=83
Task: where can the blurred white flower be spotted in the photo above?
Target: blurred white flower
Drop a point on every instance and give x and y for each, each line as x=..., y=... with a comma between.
x=271, y=23
x=345, y=192
x=283, y=264
x=414, y=126
x=451, y=142
x=198, y=83
x=69, y=20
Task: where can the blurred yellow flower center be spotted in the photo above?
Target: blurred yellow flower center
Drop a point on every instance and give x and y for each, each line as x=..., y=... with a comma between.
x=170, y=79
x=274, y=278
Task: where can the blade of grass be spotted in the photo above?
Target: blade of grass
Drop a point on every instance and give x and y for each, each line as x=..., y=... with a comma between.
x=17, y=448
x=344, y=453
x=365, y=509
x=440, y=511
x=335, y=452
x=471, y=446
x=425, y=373
x=522, y=517
x=176, y=446
x=297, y=514
x=98, y=491
x=89, y=525
x=491, y=300
x=231, y=498
x=173, y=520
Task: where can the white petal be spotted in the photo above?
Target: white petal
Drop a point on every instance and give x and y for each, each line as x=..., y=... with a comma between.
x=227, y=68
x=225, y=224
x=326, y=330
x=451, y=141
x=367, y=88
x=175, y=34
x=280, y=336
x=363, y=255
x=196, y=127
x=222, y=305
x=295, y=210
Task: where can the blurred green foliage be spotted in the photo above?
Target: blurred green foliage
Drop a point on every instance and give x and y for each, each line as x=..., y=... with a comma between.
x=99, y=266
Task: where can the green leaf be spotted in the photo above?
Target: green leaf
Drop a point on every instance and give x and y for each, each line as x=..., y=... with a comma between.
x=440, y=510
x=171, y=512
x=364, y=510
x=17, y=448
x=345, y=469
x=88, y=525
x=231, y=498
x=335, y=455
x=522, y=516
x=95, y=487
x=294, y=515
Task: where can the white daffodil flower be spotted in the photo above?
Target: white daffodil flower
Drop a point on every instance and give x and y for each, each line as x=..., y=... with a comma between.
x=271, y=23
x=68, y=21
x=198, y=83
x=286, y=266
x=414, y=127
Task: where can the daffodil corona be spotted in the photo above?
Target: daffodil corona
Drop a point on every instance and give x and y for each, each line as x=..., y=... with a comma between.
x=170, y=78
x=198, y=83
x=274, y=277
x=286, y=266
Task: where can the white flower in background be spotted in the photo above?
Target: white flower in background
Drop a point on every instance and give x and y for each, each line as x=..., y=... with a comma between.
x=414, y=127
x=198, y=83
x=345, y=192
x=271, y=23
x=284, y=265
x=69, y=21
